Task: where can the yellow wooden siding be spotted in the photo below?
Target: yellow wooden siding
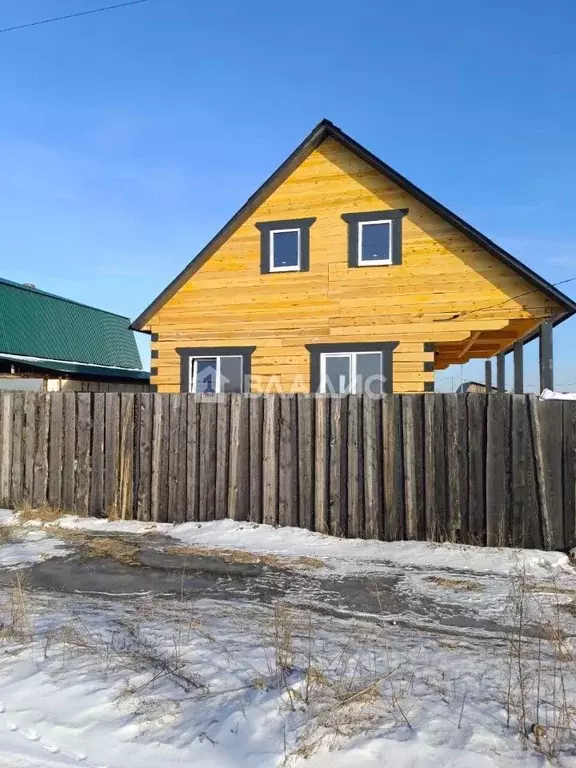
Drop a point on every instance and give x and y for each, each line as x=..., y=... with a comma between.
x=227, y=302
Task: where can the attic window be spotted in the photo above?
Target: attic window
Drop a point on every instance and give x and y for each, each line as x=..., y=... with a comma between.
x=285, y=245
x=375, y=238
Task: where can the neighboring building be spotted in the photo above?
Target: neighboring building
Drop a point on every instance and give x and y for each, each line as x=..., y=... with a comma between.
x=474, y=386
x=51, y=343
x=339, y=270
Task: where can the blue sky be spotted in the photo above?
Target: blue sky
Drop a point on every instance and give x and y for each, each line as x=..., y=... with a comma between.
x=128, y=138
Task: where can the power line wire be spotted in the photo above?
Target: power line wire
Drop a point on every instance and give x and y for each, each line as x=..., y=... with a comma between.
x=73, y=15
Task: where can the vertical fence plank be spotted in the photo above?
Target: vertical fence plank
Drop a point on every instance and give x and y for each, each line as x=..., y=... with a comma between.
x=355, y=477
x=256, y=407
x=182, y=469
x=305, y=459
x=5, y=448
x=371, y=430
x=207, y=493
x=498, y=496
x=435, y=468
x=393, y=468
x=520, y=443
x=477, y=468
x=287, y=462
x=55, y=465
x=337, y=496
x=569, y=473
x=83, y=436
x=456, y=435
x=164, y=466
x=30, y=407
x=413, y=456
x=40, y=492
x=321, y=463
x=239, y=463
x=144, y=405
x=69, y=464
x=17, y=476
x=97, y=452
x=156, y=489
x=270, y=460
x=126, y=456
x=177, y=459
x=192, y=458
x=222, y=454
x=546, y=421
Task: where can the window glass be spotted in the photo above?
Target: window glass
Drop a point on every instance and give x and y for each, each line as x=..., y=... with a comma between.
x=375, y=241
x=337, y=379
x=204, y=376
x=285, y=249
x=369, y=373
x=231, y=374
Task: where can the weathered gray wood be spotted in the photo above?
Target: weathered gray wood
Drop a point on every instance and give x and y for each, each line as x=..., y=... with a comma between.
x=477, y=468
x=372, y=442
x=287, y=462
x=176, y=478
x=83, y=436
x=55, y=465
x=305, y=461
x=156, y=457
x=456, y=435
x=270, y=460
x=207, y=471
x=164, y=473
x=413, y=456
x=126, y=457
x=520, y=443
x=519, y=368
x=238, y=479
x=569, y=474
x=498, y=492
x=548, y=535
x=30, y=435
x=321, y=463
x=501, y=372
x=222, y=454
x=69, y=464
x=182, y=469
x=393, y=468
x=546, y=355
x=144, y=406
x=17, y=474
x=550, y=429
x=337, y=496
x=256, y=406
x=192, y=458
x=435, y=468
x=488, y=375
x=40, y=492
x=5, y=448
x=355, y=477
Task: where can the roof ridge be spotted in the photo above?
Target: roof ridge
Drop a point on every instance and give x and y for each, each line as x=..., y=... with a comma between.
x=33, y=289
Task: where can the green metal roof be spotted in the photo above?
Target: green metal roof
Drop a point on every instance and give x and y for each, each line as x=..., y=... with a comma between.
x=41, y=325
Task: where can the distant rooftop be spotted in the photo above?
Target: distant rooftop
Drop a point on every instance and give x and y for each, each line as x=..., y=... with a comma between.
x=34, y=323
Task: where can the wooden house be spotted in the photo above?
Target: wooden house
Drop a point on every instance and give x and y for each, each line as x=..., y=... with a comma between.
x=339, y=274
x=53, y=344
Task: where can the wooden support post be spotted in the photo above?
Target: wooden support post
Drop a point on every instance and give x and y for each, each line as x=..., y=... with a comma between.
x=519, y=368
x=488, y=375
x=546, y=356
x=501, y=372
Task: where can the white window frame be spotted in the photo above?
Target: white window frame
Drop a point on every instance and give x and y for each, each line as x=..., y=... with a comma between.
x=192, y=374
x=353, y=357
x=285, y=269
x=374, y=262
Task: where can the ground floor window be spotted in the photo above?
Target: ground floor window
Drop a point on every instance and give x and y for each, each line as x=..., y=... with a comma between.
x=351, y=369
x=215, y=370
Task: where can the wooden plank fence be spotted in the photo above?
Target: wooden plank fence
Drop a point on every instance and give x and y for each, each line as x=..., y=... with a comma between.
x=493, y=469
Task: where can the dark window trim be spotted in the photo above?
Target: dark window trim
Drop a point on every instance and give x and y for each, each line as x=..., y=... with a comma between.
x=385, y=347
x=266, y=227
x=355, y=219
x=186, y=353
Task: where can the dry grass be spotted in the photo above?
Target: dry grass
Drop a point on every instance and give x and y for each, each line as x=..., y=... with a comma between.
x=241, y=556
x=16, y=622
x=43, y=514
x=6, y=534
x=112, y=547
x=460, y=585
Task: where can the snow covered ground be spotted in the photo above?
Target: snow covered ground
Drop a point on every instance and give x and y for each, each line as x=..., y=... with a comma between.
x=147, y=681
